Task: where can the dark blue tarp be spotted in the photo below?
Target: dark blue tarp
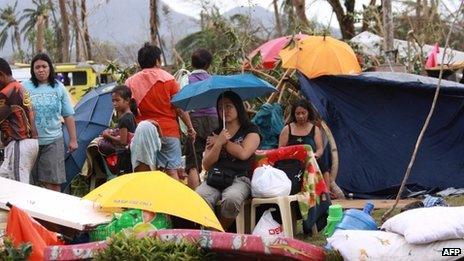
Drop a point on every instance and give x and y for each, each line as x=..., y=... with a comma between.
x=376, y=119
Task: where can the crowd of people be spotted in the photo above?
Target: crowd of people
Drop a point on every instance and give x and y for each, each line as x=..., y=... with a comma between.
x=221, y=140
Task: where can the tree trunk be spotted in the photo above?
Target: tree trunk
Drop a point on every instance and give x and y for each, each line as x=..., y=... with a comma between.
x=367, y=15
x=288, y=7
x=345, y=20
x=300, y=9
x=388, y=25
x=418, y=9
x=40, y=39
x=76, y=30
x=17, y=37
x=85, y=28
x=58, y=31
x=64, y=31
x=277, y=18
x=154, y=22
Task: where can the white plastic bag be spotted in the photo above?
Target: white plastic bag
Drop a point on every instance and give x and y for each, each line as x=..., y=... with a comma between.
x=267, y=226
x=268, y=182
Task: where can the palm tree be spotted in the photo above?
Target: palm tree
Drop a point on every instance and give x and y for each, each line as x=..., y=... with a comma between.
x=9, y=22
x=36, y=18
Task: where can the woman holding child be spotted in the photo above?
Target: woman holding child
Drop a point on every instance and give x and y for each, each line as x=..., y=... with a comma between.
x=228, y=158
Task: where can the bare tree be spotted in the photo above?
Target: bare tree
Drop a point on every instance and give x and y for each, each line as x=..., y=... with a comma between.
x=154, y=20
x=345, y=19
x=300, y=9
x=76, y=30
x=288, y=9
x=368, y=14
x=64, y=31
x=277, y=18
x=85, y=29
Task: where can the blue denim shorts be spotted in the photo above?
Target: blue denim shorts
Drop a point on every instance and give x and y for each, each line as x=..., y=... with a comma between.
x=169, y=157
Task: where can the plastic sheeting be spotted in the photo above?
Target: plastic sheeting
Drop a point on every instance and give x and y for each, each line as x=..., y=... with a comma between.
x=376, y=118
x=270, y=120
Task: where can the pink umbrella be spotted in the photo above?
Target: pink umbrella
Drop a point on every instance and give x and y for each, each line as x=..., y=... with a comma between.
x=432, y=57
x=270, y=50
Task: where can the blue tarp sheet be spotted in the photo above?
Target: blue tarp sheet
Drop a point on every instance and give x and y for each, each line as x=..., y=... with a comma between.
x=376, y=119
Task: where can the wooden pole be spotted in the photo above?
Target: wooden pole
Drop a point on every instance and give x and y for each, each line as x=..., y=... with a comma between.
x=280, y=85
x=388, y=27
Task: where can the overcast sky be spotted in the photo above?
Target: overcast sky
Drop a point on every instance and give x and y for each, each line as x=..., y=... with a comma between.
x=318, y=10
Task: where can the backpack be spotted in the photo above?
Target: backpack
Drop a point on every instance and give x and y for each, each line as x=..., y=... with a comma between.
x=294, y=170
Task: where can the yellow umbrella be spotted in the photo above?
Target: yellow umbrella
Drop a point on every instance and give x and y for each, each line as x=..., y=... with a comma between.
x=157, y=192
x=320, y=55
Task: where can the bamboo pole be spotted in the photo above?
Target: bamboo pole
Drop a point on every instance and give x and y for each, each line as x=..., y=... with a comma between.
x=264, y=75
x=294, y=93
x=279, y=87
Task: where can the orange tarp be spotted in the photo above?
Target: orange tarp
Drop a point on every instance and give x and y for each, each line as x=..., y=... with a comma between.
x=22, y=228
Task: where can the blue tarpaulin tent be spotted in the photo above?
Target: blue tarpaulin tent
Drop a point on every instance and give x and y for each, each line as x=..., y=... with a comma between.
x=376, y=119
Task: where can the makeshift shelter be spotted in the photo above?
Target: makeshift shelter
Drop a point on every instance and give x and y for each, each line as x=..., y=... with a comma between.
x=371, y=44
x=376, y=119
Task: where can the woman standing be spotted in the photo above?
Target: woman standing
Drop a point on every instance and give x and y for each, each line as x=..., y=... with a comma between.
x=228, y=158
x=50, y=101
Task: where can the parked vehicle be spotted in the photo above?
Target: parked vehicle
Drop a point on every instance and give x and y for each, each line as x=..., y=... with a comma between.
x=80, y=78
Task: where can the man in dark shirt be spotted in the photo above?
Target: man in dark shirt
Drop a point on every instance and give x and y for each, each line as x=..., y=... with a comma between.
x=17, y=126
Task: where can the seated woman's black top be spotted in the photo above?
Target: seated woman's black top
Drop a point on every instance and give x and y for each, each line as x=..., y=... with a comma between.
x=324, y=161
x=226, y=160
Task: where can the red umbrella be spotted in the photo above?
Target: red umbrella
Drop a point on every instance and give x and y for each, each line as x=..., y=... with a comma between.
x=269, y=51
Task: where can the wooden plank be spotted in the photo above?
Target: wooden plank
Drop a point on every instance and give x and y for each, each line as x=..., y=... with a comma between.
x=51, y=206
x=378, y=203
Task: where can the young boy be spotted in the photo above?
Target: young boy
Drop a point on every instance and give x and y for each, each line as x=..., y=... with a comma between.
x=204, y=121
x=17, y=126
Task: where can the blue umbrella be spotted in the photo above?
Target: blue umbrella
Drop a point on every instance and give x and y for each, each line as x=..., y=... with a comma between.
x=92, y=115
x=204, y=94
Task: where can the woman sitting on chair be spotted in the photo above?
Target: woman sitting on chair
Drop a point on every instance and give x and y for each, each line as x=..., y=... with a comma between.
x=302, y=130
x=228, y=158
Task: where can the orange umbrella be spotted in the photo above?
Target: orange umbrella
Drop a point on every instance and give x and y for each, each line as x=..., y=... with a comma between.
x=22, y=228
x=320, y=55
x=269, y=50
